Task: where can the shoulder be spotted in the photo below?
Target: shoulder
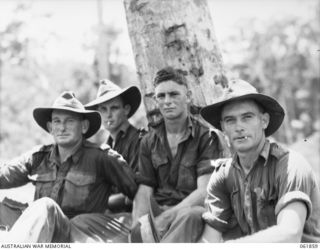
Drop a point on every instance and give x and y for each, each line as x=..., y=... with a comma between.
x=41, y=149
x=150, y=135
x=92, y=145
x=37, y=154
x=96, y=149
x=221, y=164
x=104, y=151
x=220, y=174
x=290, y=163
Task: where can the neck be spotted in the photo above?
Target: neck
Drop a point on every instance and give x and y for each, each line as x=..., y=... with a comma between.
x=115, y=132
x=176, y=126
x=247, y=159
x=66, y=152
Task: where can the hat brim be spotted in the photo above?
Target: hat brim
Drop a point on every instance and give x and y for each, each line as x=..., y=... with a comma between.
x=130, y=95
x=43, y=115
x=212, y=113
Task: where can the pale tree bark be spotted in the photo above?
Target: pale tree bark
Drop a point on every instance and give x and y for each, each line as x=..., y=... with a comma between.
x=103, y=46
x=177, y=33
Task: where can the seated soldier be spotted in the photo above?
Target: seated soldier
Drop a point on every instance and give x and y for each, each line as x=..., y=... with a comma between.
x=72, y=178
x=116, y=106
x=174, y=166
x=265, y=193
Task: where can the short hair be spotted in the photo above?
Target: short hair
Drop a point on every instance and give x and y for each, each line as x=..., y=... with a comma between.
x=169, y=73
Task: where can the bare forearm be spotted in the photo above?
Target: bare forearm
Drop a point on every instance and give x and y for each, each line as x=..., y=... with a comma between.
x=196, y=198
x=140, y=202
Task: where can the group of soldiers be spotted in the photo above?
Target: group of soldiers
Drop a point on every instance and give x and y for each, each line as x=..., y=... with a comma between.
x=172, y=183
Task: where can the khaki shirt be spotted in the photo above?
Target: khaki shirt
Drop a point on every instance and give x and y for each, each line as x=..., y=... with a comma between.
x=174, y=178
x=127, y=144
x=239, y=205
x=82, y=184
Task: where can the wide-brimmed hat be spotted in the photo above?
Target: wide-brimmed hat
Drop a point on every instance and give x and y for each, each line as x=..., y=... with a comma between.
x=242, y=90
x=108, y=90
x=67, y=101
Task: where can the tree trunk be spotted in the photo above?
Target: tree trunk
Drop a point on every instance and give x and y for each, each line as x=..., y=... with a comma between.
x=177, y=33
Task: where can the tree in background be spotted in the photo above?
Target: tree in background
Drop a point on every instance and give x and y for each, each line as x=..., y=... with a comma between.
x=178, y=34
x=29, y=78
x=280, y=58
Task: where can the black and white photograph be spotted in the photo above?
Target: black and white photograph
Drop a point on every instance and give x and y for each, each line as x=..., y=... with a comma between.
x=159, y=121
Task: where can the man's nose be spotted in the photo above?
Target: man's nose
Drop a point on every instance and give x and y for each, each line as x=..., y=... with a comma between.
x=167, y=98
x=239, y=126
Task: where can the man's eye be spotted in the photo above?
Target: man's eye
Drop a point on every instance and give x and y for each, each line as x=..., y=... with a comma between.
x=173, y=94
x=160, y=96
x=115, y=108
x=229, y=121
x=102, y=109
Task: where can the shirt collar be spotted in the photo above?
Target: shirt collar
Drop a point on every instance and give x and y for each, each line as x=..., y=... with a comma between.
x=263, y=154
x=160, y=129
x=124, y=129
x=54, y=155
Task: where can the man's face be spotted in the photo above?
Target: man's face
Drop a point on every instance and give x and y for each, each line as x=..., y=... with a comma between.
x=172, y=99
x=244, y=124
x=113, y=114
x=67, y=128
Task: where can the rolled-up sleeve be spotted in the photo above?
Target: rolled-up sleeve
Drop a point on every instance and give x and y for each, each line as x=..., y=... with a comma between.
x=218, y=205
x=208, y=150
x=296, y=181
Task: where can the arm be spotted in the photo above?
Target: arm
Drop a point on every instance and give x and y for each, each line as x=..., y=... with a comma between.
x=289, y=228
x=193, y=199
x=15, y=172
x=119, y=174
x=140, y=202
x=196, y=197
x=147, y=182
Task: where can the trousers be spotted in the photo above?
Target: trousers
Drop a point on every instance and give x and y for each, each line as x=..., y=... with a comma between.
x=186, y=227
x=44, y=221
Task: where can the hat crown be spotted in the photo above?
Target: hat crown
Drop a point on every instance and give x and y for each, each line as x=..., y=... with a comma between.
x=68, y=100
x=238, y=87
x=106, y=86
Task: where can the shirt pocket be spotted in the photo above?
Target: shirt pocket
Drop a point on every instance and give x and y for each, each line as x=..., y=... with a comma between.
x=265, y=208
x=43, y=182
x=77, y=189
x=187, y=180
x=160, y=164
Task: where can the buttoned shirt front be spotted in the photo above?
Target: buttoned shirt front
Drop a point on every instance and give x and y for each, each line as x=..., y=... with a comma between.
x=239, y=204
x=82, y=184
x=127, y=144
x=174, y=178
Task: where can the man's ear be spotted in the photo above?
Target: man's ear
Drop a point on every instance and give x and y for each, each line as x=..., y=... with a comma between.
x=127, y=109
x=265, y=120
x=85, y=126
x=49, y=127
x=189, y=96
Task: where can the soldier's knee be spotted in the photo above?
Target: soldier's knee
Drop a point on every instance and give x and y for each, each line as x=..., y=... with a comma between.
x=44, y=204
x=191, y=213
